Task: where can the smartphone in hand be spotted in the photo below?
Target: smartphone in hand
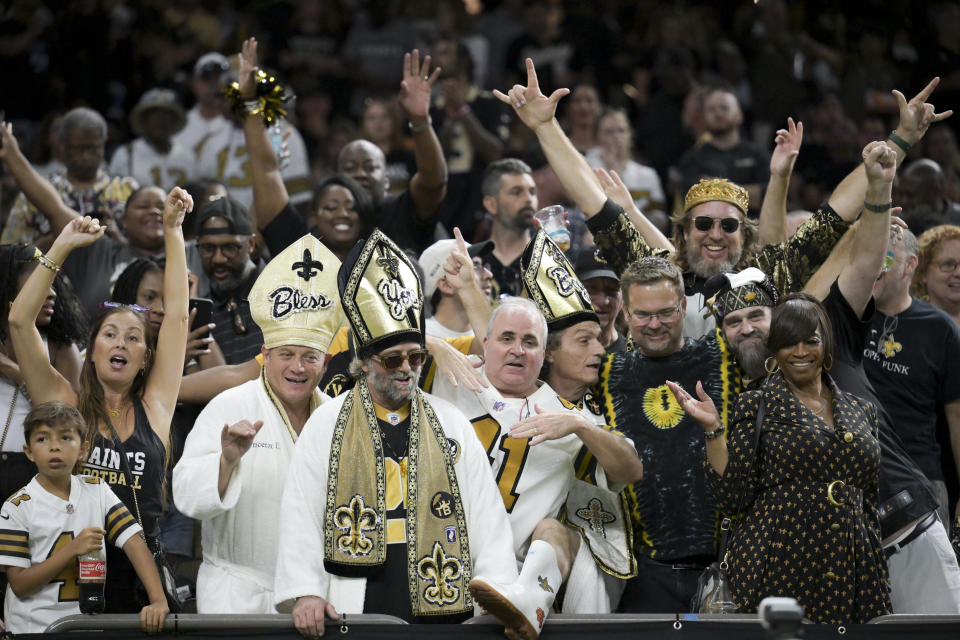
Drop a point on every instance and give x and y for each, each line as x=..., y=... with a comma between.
x=204, y=307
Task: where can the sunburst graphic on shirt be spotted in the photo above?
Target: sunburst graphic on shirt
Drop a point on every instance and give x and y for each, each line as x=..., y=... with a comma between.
x=661, y=408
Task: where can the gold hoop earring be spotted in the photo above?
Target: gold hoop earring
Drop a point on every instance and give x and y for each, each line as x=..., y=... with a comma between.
x=828, y=362
x=771, y=369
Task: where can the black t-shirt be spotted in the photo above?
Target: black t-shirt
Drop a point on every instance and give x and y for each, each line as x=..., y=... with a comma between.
x=675, y=515
x=462, y=205
x=913, y=361
x=743, y=164
x=898, y=473
x=386, y=591
x=397, y=218
x=506, y=277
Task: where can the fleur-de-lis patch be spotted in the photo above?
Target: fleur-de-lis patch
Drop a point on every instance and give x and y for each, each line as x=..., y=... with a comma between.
x=307, y=267
x=890, y=347
x=355, y=519
x=440, y=570
x=544, y=584
x=390, y=263
x=594, y=514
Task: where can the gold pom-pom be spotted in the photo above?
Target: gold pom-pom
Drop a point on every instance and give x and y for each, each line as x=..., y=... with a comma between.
x=269, y=101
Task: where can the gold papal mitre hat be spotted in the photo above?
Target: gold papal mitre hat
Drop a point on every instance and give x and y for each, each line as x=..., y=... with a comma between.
x=550, y=281
x=382, y=296
x=295, y=301
x=717, y=189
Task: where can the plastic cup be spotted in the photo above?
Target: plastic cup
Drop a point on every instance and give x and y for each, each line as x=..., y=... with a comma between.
x=553, y=222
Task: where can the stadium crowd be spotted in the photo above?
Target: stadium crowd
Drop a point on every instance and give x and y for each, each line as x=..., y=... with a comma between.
x=284, y=319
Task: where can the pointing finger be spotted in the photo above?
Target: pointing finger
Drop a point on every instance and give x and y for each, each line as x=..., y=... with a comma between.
x=532, y=82
x=461, y=243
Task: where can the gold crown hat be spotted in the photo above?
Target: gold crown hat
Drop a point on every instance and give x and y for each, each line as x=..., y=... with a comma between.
x=294, y=300
x=714, y=190
x=551, y=282
x=382, y=295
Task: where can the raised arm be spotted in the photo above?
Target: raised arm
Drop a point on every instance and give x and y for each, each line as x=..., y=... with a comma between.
x=773, y=211
x=428, y=185
x=160, y=395
x=537, y=111
x=34, y=186
x=269, y=193
x=916, y=116
x=870, y=243
x=202, y=386
x=614, y=188
x=44, y=382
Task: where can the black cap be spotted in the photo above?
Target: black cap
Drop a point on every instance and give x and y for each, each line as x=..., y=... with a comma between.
x=237, y=216
x=590, y=265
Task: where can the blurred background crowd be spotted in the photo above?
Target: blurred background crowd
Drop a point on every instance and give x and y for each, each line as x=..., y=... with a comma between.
x=829, y=64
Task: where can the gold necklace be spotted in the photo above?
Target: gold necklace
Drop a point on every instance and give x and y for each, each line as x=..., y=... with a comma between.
x=114, y=413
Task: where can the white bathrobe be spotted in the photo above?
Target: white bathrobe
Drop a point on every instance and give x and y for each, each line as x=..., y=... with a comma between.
x=240, y=532
x=300, y=570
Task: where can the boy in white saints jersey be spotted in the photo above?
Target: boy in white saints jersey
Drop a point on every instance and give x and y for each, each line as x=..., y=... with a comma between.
x=55, y=518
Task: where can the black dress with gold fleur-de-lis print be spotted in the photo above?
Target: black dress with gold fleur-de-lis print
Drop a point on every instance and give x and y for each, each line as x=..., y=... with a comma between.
x=810, y=528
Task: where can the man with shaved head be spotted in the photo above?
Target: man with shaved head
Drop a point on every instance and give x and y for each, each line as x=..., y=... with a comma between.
x=922, y=186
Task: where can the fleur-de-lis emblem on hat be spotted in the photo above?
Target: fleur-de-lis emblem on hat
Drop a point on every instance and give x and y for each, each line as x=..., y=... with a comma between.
x=308, y=267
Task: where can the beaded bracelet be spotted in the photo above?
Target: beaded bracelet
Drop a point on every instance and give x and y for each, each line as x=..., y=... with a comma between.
x=713, y=435
x=47, y=262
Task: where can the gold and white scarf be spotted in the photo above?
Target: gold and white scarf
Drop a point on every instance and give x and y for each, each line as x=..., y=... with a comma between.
x=355, y=542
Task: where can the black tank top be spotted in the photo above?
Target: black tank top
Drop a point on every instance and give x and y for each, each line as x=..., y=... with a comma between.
x=146, y=457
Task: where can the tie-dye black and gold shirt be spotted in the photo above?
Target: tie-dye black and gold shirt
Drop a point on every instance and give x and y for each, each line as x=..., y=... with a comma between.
x=674, y=515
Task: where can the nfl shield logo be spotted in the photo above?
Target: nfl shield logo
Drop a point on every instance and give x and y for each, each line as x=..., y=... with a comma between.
x=498, y=405
x=451, y=534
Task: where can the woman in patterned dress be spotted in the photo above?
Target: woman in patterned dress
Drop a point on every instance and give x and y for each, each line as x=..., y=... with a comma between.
x=808, y=496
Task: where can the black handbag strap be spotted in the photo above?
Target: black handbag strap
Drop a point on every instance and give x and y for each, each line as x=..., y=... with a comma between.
x=726, y=525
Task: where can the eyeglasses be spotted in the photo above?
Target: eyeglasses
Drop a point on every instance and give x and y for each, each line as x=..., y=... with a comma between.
x=705, y=223
x=239, y=326
x=947, y=266
x=229, y=249
x=110, y=304
x=665, y=316
x=395, y=361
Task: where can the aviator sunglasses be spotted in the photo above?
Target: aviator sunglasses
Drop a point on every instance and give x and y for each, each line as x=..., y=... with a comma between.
x=705, y=223
x=395, y=361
